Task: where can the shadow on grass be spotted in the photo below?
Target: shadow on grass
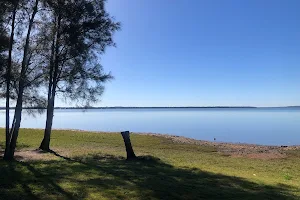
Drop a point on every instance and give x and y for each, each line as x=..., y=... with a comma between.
x=109, y=177
x=19, y=147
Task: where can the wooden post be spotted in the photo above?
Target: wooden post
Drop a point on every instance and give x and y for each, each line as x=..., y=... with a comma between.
x=129, y=150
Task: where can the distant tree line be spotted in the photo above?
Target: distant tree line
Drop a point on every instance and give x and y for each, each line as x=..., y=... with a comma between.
x=50, y=48
x=138, y=107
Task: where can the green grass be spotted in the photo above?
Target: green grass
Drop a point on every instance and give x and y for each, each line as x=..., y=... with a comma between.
x=93, y=166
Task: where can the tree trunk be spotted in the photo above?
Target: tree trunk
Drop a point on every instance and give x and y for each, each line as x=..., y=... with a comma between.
x=128, y=146
x=8, y=72
x=45, y=145
x=9, y=155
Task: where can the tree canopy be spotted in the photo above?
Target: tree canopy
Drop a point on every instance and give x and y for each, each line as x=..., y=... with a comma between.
x=54, y=48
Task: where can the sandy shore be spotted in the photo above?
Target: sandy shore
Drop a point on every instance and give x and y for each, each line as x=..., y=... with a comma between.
x=236, y=149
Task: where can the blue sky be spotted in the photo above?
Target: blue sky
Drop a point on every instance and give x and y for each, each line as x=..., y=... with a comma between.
x=204, y=53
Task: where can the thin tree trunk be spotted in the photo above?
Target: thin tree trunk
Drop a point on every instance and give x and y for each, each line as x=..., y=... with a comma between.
x=128, y=146
x=18, y=110
x=45, y=145
x=8, y=72
x=15, y=130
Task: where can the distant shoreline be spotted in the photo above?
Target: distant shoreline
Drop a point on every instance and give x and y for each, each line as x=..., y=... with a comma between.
x=179, y=107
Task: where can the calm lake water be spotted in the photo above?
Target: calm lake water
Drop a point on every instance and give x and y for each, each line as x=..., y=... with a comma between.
x=257, y=126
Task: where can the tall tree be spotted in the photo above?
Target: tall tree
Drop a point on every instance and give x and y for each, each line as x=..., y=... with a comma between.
x=31, y=8
x=8, y=72
x=10, y=7
x=80, y=32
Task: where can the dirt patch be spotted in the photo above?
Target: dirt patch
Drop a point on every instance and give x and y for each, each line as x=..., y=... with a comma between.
x=266, y=155
x=34, y=155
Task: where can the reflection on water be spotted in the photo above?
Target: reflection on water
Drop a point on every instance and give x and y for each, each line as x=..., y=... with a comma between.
x=259, y=126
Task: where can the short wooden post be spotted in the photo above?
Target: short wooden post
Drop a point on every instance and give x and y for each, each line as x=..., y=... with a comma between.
x=129, y=150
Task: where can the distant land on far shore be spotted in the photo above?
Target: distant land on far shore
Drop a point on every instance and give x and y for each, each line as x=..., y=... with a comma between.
x=159, y=107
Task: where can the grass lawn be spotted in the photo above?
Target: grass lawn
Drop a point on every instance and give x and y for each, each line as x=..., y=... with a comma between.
x=93, y=166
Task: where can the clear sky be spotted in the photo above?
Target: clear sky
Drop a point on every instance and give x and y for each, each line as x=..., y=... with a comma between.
x=204, y=53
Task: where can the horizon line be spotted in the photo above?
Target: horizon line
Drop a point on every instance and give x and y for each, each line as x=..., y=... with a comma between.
x=136, y=107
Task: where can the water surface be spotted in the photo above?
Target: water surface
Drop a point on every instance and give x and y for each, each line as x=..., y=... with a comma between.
x=257, y=126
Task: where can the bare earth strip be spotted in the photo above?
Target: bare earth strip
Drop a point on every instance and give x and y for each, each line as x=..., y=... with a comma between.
x=237, y=149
